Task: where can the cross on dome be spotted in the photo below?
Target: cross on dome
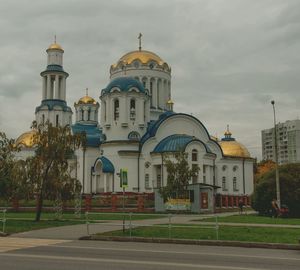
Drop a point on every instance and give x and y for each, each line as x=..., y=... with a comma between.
x=140, y=41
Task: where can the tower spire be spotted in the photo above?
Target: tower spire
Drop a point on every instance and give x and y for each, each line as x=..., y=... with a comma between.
x=140, y=41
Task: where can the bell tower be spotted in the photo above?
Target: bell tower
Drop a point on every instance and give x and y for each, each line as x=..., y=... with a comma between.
x=53, y=107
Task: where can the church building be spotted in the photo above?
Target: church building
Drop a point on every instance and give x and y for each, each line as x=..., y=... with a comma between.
x=133, y=126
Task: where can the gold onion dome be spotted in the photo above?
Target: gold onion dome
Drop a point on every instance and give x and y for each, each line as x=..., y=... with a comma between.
x=86, y=100
x=55, y=46
x=143, y=56
x=27, y=139
x=232, y=148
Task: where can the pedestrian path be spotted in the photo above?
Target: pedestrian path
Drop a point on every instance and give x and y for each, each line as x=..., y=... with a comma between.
x=14, y=243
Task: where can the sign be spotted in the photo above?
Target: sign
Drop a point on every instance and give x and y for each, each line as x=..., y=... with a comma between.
x=178, y=204
x=123, y=178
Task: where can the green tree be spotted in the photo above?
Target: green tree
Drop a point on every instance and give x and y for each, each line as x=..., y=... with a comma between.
x=179, y=175
x=47, y=174
x=289, y=175
x=7, y=163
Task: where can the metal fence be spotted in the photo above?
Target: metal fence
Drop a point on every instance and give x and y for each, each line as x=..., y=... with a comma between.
x=3, y=220
x=129, y=224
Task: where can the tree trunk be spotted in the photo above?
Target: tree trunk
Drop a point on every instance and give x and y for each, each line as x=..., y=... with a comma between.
x=39, y=207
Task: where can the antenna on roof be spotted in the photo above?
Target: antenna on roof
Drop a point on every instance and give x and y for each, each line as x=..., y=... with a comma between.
x=140, y=41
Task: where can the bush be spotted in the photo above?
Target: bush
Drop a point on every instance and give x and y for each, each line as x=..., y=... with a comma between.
x=289, y=176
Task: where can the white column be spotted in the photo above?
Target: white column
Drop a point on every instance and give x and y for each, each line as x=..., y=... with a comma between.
x=102, y=117
x=56, y=94
x=85, y=114
x=140, y=111
x=154, y=94
x=44, y=88
x=48, y=94
x=105, y=179
x=64, y=88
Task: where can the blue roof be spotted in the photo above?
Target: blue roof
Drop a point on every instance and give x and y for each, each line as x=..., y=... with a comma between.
x=173, y=143
x=94, y=135
x=153, y=125
x=124, y=84
x=54, y=68
x=176, y=143
x=50, y=103
x=107, y=166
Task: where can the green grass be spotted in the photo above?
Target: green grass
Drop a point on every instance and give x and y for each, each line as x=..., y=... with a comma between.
x=254, y=219
x=15, y=226
x=252, y=234
x=91, y=216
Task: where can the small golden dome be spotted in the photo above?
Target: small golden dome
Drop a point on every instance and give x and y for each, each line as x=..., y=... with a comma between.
x=234, y=149
x=170, y=101
x=143, y=56
x=27, y=139
x=55, y=46
x=87, y=100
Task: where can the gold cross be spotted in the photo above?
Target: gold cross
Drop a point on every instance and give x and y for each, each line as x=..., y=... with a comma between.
x=140, y=41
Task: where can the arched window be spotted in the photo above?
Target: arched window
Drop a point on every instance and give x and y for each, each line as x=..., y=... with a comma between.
x=194, y=155
x=82, y=115
x=132, y=109
x=104, y=109
x=116, y=110
x=57, y=120
x=234, y=182
x=224, y=183
x=89, y=115
x=43, y=119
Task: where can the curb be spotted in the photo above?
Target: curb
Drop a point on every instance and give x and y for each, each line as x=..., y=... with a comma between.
x=193, y=242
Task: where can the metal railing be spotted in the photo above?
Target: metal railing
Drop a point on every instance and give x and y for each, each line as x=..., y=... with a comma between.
x=3, y=220
x=130, y=224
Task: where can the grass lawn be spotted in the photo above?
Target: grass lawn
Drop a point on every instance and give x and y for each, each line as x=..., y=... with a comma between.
x=91, y=216
x=253, y=234
x=254, y=219
x=14, y=225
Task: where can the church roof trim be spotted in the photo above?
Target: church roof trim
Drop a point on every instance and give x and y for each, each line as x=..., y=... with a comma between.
x=94, y=135
x=124, y=84
x=107, y=166
x=51, y=103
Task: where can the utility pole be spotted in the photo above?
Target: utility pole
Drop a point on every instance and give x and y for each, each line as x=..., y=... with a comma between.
x=276, y=158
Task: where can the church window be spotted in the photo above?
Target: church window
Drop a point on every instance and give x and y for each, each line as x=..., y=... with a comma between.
x=43, y=119
x=116, y=110
x=89, y=115
x=235, y=168
x=234, y=184
x=195, y=177
x=132, y=109
x=224, y=183
x=144, y=84
x=147, y=182
x=224, y=168
x=57, y=120
x=82, y=115
x=194, y=155
x=134, y=136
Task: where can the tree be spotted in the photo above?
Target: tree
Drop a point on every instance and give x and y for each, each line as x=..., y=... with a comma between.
x=262, y=168
x=289, y=189
x=47, y=173
x=179, y=175
x=7, y=163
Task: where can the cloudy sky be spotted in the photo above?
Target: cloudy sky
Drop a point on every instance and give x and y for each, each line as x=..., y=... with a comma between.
x=229, y=58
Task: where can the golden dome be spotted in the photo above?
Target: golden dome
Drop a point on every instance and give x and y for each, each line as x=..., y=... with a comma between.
x=170, y=101
x=27, y=139
x=234, y=149
x=55, y=46
x=87, y=100
x=143, y=56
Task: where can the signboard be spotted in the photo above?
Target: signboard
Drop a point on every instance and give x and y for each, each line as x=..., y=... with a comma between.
x=178, y=204
x=123, y=178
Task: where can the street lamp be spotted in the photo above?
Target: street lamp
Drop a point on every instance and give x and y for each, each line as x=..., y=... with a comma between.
x=276, y=158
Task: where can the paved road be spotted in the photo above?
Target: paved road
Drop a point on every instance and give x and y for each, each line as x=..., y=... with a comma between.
x=91, y=255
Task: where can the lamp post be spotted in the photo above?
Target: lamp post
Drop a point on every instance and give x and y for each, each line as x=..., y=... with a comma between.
x=276, y=158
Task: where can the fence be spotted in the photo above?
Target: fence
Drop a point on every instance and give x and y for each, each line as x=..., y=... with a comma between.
x=130, y=225
x=3, y=220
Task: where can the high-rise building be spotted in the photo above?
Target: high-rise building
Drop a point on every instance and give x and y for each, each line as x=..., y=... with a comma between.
x=288, y=141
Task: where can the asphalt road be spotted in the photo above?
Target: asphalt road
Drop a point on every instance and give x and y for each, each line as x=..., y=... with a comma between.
x=118, y=255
